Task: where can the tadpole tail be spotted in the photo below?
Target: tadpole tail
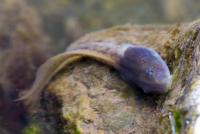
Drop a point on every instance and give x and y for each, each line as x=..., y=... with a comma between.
x=54, y=65
x=44, y=75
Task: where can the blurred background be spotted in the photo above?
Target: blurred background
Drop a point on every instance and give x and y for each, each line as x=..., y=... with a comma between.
x=63, y=21
x=66, y=20
x=31, y=31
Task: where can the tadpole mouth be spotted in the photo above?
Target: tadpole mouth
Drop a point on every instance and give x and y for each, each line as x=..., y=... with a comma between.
x=165, y=81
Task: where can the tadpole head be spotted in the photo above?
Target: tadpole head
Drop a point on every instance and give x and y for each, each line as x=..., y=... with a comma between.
x=145, y=68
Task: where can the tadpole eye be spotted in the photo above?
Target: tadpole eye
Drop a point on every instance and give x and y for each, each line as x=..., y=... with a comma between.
x=149, y=73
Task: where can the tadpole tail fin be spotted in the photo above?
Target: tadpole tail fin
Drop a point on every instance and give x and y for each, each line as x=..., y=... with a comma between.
x=44, y=75
x=55, y=64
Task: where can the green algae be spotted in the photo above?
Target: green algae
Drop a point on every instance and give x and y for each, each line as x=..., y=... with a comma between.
x=72, y=125
x=32, y=129
x=178, y=117
x=173, y=122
